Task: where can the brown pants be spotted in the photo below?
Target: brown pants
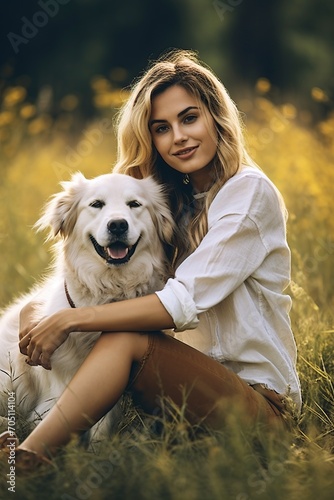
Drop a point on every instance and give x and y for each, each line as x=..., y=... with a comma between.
x=182, y=374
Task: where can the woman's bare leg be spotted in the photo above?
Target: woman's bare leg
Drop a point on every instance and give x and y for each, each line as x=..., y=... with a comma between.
x=92, y=392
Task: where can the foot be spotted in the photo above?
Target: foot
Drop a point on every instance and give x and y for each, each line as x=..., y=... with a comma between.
x=25, y=461
x=8, y=439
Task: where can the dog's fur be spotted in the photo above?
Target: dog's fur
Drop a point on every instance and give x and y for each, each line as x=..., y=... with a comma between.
x=100, y=223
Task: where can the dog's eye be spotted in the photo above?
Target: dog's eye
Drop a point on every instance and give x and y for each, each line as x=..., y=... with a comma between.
x=134, y=204
x=97, y=204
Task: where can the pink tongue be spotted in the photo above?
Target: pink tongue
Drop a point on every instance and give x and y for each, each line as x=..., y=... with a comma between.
x=117, y=251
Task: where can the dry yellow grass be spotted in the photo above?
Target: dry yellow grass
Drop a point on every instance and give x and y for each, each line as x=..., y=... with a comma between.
x=36, y=154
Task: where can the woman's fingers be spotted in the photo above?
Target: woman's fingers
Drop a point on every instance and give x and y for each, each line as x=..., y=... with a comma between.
x=41, y=342
x=26, y=331
x=23, y=344
x=27, y=321
x=43, y=360
x=37, y=353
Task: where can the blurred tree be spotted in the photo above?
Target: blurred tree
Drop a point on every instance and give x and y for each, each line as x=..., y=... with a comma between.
x=309, y=41
x=85, y=38
x=289, y=43
x=255, y=34
x=71, y=41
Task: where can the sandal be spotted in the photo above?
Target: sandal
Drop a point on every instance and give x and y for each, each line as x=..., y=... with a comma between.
x=25, y=461
x=8, y=438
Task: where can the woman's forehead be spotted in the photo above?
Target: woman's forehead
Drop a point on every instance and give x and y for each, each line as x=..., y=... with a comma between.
x=173, y=100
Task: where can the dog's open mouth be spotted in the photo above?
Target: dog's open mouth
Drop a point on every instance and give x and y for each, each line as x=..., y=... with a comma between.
x=116, y=253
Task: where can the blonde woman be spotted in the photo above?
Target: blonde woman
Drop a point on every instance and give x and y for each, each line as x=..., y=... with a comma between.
x=231, y=261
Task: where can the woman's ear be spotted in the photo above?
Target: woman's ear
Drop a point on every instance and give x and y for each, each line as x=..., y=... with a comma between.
x=60, y=213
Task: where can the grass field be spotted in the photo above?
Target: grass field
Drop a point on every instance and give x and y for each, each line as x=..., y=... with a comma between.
x=37, y=153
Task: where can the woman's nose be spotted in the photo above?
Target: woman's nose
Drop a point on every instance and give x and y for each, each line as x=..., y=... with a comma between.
x=179, y=135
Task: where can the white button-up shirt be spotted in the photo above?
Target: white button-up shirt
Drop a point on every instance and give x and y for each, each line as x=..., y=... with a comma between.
x=229, y=291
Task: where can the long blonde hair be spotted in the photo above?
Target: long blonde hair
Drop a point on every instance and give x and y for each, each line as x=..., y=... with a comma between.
x=138, y=157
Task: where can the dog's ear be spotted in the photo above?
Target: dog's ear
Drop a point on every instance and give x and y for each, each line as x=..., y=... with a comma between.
x=60, y=213
x=159, y=209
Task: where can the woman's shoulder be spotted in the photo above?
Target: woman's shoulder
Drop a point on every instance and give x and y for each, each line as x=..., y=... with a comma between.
x=250, y=173
x=249, y=191
x=250, y=181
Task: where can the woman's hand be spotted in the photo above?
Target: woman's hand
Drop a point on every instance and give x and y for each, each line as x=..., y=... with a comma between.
x=40, y=343
x=27, y=321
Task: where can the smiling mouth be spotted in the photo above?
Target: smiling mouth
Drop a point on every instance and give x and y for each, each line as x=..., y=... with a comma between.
x=186, y=151
x=116, y=253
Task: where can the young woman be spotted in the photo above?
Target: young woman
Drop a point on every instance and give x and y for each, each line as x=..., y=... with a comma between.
x=232, y=263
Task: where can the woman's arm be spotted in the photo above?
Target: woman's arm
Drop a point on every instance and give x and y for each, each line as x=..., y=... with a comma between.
x=140, y=314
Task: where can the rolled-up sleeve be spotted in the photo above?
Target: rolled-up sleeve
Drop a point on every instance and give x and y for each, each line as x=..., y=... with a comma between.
x=179, y=304
x=229, y=253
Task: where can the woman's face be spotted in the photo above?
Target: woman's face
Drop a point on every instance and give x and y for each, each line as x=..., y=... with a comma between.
x=184, y=134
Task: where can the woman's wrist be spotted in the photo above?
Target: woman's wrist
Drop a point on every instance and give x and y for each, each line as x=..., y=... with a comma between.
x=69, y=319
x=80, y=319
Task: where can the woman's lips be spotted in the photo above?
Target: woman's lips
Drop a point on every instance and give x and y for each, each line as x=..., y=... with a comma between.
x=185, y=153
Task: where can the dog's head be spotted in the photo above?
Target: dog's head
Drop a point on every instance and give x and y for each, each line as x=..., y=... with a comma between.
x=113, y=216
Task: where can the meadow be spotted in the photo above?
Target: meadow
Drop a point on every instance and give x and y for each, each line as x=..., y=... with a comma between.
x=149, y=459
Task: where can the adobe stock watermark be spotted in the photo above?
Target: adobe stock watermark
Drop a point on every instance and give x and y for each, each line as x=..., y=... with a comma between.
x=277, y=123
x=94, y=476
x=222, y=8
x=259, y=483
x=91, y=138
x=12, y=442
x=31, y=27
x=322, y=251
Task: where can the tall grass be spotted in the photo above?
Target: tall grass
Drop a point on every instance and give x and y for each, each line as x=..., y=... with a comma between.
x=145, y=459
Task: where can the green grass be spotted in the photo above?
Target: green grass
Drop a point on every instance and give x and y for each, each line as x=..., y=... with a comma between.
x=172, y=460
x=180, y=462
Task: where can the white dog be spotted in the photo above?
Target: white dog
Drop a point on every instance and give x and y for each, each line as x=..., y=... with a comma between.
x=112, y=234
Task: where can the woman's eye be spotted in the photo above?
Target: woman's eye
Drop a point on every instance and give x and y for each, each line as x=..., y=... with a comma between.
x=161, y=129
x=134, y=204
x=190, y=118
x=97, y=204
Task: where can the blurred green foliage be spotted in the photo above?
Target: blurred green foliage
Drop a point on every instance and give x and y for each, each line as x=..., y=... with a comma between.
x=65, y=45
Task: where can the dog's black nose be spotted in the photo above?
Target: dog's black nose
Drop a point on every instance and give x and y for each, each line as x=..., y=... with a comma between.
x=118, y=226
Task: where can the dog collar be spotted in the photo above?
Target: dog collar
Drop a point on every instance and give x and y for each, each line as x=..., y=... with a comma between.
x=68, y=296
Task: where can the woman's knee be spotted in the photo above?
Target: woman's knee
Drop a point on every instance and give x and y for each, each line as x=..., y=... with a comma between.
x=135, y=343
